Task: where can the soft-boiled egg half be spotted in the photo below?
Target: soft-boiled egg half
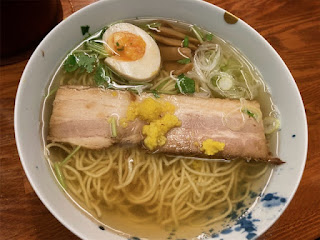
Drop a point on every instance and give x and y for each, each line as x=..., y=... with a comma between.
x=133, y=52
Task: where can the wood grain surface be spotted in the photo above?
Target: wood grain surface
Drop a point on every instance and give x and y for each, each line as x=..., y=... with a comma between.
x=292, y=27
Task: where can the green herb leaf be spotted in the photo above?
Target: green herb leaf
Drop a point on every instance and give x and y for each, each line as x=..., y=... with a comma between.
x=208, y=37
x=186, y=41
x=86, y=61
x=70, y=64
x=85, y=29
x=184, y=61
x=80, y=60
x=101, y=78
x=155, y=93
x=185, y=84
x=117, y=44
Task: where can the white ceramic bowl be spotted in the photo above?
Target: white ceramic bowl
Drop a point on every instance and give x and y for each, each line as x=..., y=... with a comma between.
x=51, y=51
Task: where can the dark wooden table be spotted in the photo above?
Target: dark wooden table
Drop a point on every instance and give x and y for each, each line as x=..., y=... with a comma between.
x=293, y=29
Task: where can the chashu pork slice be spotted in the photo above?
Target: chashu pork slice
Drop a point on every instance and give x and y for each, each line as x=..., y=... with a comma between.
x=81, y=117
x=218, y=119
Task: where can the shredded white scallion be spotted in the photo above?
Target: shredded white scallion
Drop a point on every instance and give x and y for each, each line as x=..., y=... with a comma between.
x=206, y=59
x=225, y=71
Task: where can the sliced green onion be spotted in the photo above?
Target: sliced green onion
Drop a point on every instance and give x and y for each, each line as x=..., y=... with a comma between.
x=113, y=124
x=252, y=112
x=184, y=61
x=225, y=82
x=197, y=33
x=59, y=174
x=57, y=167
x=208, y=37
x=270, y=124
x=186, y=41
x=70, y=155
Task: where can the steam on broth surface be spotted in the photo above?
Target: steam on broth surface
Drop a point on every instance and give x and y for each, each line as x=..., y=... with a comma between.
x=152, y=194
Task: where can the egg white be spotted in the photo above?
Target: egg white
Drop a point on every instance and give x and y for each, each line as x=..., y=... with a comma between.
x=143, y=69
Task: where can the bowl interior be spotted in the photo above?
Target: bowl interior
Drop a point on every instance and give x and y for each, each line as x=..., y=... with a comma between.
x=65, y=36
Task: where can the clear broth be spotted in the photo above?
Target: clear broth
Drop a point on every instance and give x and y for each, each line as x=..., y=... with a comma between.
x=116, y=221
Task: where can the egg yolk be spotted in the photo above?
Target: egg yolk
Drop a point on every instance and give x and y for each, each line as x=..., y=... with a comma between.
x=126, y=46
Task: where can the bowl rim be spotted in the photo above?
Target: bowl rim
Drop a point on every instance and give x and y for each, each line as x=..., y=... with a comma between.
x=18, y=105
